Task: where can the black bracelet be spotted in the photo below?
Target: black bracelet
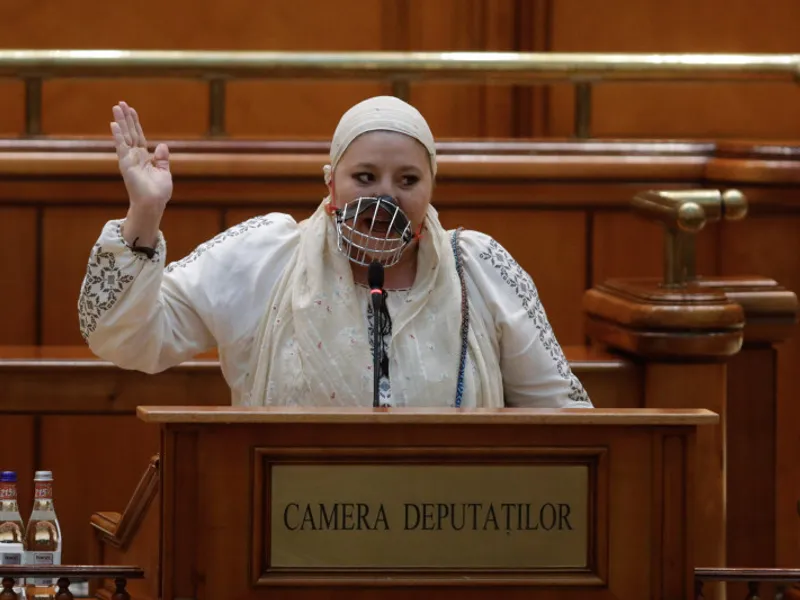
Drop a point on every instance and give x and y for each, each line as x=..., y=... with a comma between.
x=148, y=252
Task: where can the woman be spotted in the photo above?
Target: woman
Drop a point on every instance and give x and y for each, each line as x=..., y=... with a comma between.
x=288, y=305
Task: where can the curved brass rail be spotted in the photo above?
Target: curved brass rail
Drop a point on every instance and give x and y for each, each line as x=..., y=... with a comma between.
x=400, y=68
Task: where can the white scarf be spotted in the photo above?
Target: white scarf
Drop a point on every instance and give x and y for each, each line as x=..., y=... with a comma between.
x=312, y=347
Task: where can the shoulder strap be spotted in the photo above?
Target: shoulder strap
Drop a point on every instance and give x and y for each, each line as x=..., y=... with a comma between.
x=464, y=316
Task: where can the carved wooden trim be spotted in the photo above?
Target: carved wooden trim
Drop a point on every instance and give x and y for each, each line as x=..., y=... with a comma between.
x=771, y=311
x=672, y=481
x=714, y=162
x=778, y=150
x=78, y=571
x=737, y=574
x=643, y=318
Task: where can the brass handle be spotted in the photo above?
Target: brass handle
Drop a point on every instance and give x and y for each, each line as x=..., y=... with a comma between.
x=684, y=213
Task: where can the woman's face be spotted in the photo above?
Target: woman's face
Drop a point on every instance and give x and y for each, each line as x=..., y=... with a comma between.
x=385, y=163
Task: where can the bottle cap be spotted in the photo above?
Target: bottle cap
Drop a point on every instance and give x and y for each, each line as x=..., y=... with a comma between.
x=43, y=476
x=8, y=477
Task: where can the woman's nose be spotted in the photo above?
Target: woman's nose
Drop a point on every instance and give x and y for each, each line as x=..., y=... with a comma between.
x=386, y=187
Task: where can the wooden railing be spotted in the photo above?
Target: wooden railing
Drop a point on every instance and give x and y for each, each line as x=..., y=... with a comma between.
x=400, y=68
x=754, y=578
x=66, y=574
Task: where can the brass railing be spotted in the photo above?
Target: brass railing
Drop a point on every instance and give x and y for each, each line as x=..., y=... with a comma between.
x=683, y=214
x=401, y=69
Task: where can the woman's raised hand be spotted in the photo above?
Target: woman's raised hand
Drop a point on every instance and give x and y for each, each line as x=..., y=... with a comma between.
x=147, y=178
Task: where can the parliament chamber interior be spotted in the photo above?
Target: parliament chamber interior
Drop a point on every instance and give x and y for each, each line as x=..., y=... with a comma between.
x=640, y=160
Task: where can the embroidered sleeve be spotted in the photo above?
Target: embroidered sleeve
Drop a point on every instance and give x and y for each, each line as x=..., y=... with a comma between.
x=111, y=270
x=535, y=370
x=140, y=315
x=229, y=234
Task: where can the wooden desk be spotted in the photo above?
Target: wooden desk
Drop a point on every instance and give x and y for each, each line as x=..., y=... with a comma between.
x=227, y=475
x=67, y=411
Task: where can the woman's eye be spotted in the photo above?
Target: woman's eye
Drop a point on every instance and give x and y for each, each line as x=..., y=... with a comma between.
x=410, y=180
x=364, y=177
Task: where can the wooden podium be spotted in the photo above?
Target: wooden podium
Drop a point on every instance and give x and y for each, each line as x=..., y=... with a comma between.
x=400, y=503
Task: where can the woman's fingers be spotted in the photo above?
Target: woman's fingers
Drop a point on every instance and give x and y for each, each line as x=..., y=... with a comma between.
x=119, y=119
x=128, y=112
x=139, y=132
x=119, y=140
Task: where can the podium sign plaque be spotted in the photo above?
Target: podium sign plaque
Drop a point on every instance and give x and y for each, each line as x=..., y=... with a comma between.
x=526, y=512
x=364, y=504
x=412, y=516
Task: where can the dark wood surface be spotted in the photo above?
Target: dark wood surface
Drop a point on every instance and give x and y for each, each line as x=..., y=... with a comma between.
x=436, y=416
x=62, y=397
x=644, y=481
x=775, y=575
x=310, y=109
x=539, y=199
x=743, y=318
x=554, y=210
x=82, y=571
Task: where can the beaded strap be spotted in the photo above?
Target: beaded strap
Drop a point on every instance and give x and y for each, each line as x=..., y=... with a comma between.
x=462, y=365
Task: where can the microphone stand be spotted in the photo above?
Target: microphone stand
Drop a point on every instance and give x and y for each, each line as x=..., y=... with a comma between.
x=377, y=344
x=375, y=281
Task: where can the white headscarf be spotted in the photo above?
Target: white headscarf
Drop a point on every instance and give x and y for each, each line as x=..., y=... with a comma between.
x=380, y=113
x=312, y=347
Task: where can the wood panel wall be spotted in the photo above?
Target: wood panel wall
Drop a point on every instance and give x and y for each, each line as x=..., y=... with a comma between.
x=739, y=110
x=561, y=210
x=564, y=218
x=311, y=108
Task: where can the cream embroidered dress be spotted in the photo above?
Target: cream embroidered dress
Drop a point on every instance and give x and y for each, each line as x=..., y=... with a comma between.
x=232, y=290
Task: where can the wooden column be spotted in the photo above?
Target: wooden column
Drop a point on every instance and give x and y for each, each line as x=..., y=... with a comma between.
x=684, y=332
x=683, y=340
x=754, y=483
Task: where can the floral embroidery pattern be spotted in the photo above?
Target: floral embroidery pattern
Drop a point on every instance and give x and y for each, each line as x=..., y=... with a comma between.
x=105, y=281
x=230, y=233
x=102, y=287
x=516, y=277
x=384, y=385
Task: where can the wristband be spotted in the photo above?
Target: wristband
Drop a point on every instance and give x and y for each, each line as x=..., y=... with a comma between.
x=148, y=252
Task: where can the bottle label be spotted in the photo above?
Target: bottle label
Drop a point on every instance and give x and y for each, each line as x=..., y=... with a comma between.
x=44, y=559
x=11, y=558
x=43, y=490
x=8, y=491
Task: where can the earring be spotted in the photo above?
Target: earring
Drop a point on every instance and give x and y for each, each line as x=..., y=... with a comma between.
x=329, y=206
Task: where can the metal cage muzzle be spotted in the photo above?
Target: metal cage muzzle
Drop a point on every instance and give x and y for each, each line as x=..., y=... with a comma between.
x=384, y=243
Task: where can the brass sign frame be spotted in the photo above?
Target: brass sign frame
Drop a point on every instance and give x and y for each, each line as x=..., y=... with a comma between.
x=592, y=573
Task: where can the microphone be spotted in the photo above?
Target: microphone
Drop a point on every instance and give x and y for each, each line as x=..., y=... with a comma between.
x=375, y=281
